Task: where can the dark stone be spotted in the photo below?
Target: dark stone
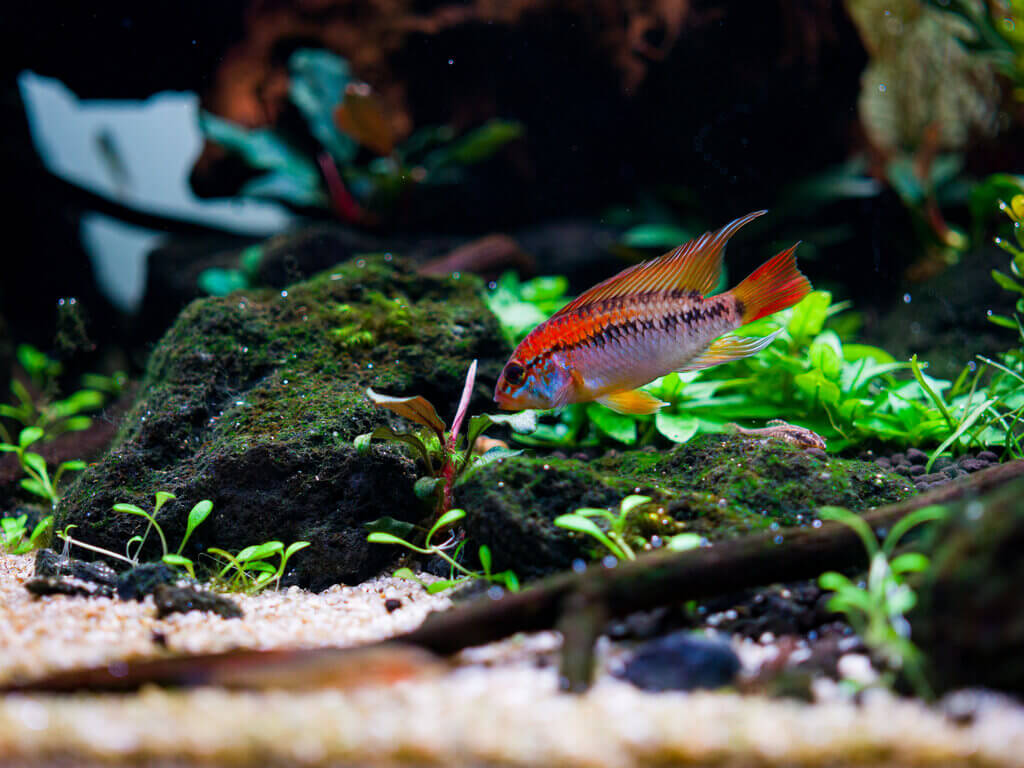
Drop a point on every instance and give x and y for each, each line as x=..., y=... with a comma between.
x=392, y=604
x=969, y=620
x=988, y=456
x=67, y=585
x=50, y=564
x=917, y=456
x=969, y=464
x=916, y=470
x=898, y=458
x=253, y=401
x=182, y=599
x=142, y=580
x=941, y=463
x=884, y=463
x=682, y=662
x=934, y=477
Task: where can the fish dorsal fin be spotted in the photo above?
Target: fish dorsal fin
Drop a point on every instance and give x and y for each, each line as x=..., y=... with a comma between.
x=694, y=266
x=727, y=348
x=634, y=401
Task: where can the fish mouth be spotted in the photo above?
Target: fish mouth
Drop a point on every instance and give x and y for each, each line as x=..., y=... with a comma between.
x=503, y=402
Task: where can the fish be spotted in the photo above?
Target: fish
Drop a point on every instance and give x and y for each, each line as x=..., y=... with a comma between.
x=647, y=321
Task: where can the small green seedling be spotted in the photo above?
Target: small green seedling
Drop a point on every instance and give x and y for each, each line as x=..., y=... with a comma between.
x=877, y=611
x=613, y=539
x=39, y=482
x=507, y=579
x=251, y=570
x=14, y=536
x=196, y=516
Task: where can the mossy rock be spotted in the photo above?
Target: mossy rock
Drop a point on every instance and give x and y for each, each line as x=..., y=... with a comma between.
x=969, y=620
x=252, y=400
x=716, y=485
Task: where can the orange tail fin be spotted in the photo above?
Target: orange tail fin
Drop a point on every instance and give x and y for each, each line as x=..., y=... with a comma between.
x=775, y=285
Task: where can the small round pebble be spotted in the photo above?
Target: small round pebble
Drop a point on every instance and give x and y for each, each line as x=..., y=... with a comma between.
x=917, y=456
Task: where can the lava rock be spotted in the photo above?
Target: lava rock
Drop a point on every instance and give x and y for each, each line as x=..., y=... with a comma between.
x=682, y=662
x=142, y=580
x=916, y=456
x=51, y=564
x=182, y=599
x=253, y=401
x=57, y=576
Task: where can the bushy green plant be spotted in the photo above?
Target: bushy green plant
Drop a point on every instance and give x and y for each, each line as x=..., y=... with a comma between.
x=458, y=573
x=877, y=611
x=15, y=538
x=38, y=481
x=522, y=305
x=613, y=536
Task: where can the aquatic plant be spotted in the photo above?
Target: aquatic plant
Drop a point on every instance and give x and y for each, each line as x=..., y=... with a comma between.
x=15, y=538
x=614, y=535
x=220, y=281
x=522, y=305
x=251, y=570
x=506, y=579
x=38, y=481
x=1015, y=211
x=54, y=417
x=345, y=121
x=442, y=451
x=877, y=611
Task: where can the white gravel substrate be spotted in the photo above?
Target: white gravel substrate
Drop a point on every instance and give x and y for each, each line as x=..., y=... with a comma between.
x=507, y=712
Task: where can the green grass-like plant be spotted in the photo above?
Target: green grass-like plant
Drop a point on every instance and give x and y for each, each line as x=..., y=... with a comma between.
x=877, y=611
x=458, y=573
x=15, y=538
x=252, y=569
x=613, y=536
x=38, y=481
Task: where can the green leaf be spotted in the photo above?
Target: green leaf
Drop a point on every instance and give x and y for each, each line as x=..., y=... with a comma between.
x=260, y=551
x=316, y=86
x=446, y=520
x=440, y=586
x=484, y=554
x=817, y=387
x=380, y=537
x=216, y=281
x=29, y=435
x=295, y=547
x=1007, y=282
x=909, y=562
x=579, y=524
x=616, y=425
x=131, y=509
x=74, y=465
x=33, y=486
x=397, y=528
x=362, y=442
x=416, y=409
x=809, y=316
x=427, y=487
x=825, y=359
x=177, y=560
x=477, y=145
x=522, y=422
x=676, y=427
x=633, y=501
x=35, y=462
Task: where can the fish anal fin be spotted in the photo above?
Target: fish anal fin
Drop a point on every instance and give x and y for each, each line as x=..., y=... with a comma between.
x=695, y=266
x=728, y=348
x=634, y=402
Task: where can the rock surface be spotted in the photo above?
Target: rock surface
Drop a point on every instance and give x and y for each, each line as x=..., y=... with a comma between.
x=253, y=400
x=715, y=485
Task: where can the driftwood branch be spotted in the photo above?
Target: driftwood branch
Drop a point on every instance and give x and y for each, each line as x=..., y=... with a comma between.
x=575, y=602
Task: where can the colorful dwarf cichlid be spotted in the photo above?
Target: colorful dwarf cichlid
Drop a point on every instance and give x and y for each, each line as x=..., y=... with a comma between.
x=651, y=319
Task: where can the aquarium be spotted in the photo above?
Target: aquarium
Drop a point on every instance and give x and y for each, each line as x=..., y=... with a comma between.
x=529, y=383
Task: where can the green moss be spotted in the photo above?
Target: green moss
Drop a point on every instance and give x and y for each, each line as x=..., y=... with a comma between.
x=718, y=486
x=253, y=399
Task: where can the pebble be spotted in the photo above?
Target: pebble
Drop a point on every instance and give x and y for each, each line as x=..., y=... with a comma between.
x=172, y=599
x=682, y=661
x=916, y=456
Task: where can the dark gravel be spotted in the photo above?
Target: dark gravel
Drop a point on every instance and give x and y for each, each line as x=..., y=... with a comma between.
x=913, y=464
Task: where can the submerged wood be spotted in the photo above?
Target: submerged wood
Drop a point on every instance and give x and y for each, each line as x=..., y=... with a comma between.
x=568, y=601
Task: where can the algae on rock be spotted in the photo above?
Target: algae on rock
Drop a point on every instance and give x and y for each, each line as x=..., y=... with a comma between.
x=716, y=485
x=252, y=400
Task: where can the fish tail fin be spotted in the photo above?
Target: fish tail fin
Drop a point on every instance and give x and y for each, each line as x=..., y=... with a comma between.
x=775, y=285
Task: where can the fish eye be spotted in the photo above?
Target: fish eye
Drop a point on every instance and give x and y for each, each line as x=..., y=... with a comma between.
x=514, y=373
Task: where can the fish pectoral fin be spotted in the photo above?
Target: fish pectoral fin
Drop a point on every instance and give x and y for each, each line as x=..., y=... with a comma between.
x=729, y=348
x=635, y=402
